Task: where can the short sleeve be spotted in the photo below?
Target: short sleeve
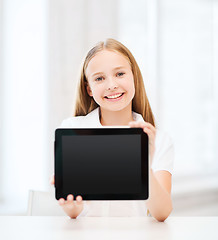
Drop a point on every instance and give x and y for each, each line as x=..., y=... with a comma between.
x=164, y=153
x=66, y=123
x=72, y=122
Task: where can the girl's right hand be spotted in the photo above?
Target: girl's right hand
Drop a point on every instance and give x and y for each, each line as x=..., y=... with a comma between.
x=70, y=207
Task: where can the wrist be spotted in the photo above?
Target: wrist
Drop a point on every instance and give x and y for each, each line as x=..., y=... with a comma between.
x=74, y=212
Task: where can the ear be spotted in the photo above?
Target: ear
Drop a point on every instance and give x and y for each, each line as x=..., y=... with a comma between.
x=89, y=91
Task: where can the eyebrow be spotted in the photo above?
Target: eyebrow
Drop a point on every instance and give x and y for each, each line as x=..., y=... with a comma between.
x=116, y=68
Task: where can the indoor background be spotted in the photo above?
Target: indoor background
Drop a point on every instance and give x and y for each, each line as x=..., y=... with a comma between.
x=42, y=45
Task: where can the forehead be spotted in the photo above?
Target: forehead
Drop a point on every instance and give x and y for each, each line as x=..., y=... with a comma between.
x=106, y=60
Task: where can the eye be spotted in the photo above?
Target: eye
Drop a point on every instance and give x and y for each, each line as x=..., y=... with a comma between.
x=99, y=79
x=119, y=74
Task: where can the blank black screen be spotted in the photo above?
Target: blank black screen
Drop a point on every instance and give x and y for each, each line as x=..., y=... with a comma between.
x=101, y=164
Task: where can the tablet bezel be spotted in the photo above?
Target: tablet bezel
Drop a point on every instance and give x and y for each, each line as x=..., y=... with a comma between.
x=102, y=131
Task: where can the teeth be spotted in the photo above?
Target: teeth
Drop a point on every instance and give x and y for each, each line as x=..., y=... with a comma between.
x=115, y=96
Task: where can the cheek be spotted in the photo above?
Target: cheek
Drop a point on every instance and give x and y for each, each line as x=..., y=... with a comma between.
x=97, y=91
x=131, y=87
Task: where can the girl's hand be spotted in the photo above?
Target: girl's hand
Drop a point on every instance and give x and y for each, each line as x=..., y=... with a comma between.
x=151, y=131
x=70, y=207
x=52, y=180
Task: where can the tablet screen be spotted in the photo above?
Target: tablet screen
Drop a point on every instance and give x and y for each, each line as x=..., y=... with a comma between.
x=101, y=164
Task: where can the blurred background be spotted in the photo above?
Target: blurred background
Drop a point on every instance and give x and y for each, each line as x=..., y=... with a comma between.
x=42, y=44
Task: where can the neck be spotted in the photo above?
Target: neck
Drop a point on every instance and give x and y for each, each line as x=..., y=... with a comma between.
x=116, y=118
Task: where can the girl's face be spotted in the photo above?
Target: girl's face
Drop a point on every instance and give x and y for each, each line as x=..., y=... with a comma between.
x=110, y=80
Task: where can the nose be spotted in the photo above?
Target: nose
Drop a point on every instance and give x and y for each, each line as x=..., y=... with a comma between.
x=112, y=84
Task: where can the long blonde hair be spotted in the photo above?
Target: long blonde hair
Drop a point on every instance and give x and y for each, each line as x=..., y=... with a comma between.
x=84, y=104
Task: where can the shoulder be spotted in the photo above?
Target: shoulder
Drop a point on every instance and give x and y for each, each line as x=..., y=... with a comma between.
x=137, y=117
x=81, y=121
x=72, y=122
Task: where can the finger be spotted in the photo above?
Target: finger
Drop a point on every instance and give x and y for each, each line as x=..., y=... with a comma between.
x=147, y=128
x=147, y=125
x=70, y=198
x=150, y=134
x=142, y=124
x=79, y=199
x=61, y=201
x=135, y=124
x=150, y=126
x=148, y=131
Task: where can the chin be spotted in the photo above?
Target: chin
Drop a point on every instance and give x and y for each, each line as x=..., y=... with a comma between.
x=114, y=108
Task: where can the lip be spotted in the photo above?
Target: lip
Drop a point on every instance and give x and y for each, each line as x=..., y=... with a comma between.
x=114, y=94
x=114, y=99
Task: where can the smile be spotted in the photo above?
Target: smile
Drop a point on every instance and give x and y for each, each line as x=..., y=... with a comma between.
x=115, y=97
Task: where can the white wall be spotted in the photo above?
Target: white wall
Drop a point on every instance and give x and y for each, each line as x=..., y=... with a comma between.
x=44, y=42
x=74, y=27
x=24, y=156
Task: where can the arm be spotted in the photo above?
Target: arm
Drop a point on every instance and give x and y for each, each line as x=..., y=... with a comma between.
x=159, y=203
x=71, y=208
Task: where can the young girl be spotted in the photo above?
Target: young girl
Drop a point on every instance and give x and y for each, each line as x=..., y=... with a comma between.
x=111, y=92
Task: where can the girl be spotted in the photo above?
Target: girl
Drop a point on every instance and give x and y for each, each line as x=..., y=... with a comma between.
x=111, y=92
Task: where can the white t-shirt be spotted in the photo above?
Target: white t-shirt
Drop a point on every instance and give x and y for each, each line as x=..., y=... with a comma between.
x=162, y=160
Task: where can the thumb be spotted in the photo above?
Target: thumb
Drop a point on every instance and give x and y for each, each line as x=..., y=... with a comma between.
x=52, y=180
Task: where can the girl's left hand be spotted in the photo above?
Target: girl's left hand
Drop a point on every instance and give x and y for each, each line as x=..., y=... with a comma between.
x=151, y=131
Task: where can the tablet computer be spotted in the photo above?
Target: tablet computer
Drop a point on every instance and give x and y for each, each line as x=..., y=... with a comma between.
x=101, y=163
